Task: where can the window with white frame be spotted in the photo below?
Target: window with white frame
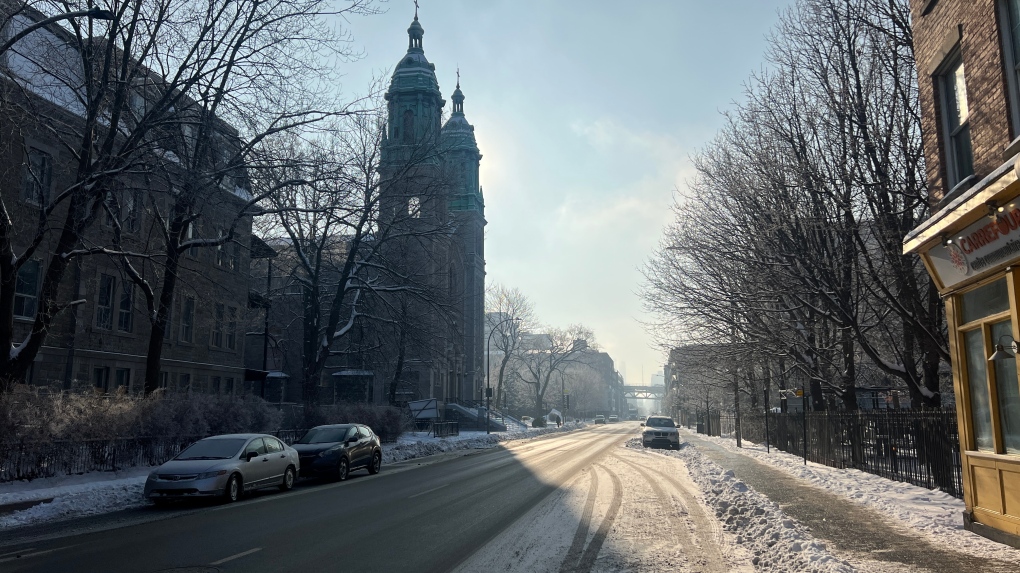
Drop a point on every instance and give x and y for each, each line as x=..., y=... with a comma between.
x=217, y=329
x=230, y=336
x=37, y=177
x=955, y=119
x=26, y=290
x=125, y=311
x=187, y=333
x=104, y=302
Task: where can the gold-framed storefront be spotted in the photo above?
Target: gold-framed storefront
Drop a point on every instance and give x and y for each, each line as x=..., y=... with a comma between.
x=971, y=249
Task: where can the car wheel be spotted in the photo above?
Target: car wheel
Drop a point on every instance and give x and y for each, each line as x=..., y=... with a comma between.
x=343, y=469
x=233, y=490
x=288, y=479
x=376, y=464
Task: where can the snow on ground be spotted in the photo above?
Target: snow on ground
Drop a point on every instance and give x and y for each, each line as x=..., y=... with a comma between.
x=103, y=492
x=777, y=542
x=931, y=512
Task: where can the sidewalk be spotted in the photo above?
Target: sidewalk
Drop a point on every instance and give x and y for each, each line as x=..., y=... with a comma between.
x=845, y=526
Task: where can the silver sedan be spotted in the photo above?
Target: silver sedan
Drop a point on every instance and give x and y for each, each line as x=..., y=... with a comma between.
x=225, y=466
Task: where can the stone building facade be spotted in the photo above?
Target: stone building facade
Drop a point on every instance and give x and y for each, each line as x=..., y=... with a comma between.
x=102, y=341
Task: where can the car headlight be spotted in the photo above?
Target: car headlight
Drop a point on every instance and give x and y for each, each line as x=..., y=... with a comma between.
x=331, y=451
x=208, y=475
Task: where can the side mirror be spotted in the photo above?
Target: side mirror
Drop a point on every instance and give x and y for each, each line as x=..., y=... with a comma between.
x=352, y=440
x=251, y=456
x=642, y=423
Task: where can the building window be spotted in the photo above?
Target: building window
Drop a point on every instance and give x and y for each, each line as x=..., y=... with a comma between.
x=235, y=256
x=26, y=290
x=184, y=383
x=955, y=114
x=125, y=312
x=130, y=208
x=122, y=378
x=104, y=302
x=408, y=128
x=228, y=386
x=164, y=380
x=221, y=252
x=101, y=378
x=38, y=174
x=1010, y=16
x=231, y=334
x=215, y=389
x=217, y=330
x=187, y=319
x=414, y=207
x=189, y=234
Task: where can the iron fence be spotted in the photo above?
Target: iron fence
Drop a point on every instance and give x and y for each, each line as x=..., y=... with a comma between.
x=33, y=460
x=920, y=447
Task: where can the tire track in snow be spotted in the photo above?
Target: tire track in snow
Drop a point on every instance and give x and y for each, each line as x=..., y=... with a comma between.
x=592, y=551
x=574, y=553
x=706, y=527
x=681, y=536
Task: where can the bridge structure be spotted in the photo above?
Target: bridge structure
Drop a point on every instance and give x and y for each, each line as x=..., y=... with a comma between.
x=644, y=392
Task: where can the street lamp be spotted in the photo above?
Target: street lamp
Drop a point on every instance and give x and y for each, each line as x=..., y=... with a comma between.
x=488, y=367
x=94, y=13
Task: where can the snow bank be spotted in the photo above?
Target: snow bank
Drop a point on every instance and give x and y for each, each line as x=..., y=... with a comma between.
x=933, y=513
x=410, y=446
x=777, y=542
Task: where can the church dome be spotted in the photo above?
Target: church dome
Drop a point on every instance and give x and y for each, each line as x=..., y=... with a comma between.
x=414, y=72
x=458, y=133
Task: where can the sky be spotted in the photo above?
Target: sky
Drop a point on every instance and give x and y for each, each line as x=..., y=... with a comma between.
x=586, y=113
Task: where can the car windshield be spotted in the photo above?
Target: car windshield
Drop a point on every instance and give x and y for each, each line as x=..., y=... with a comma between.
x=212, y=449
x=324, y=435
x=660, y=423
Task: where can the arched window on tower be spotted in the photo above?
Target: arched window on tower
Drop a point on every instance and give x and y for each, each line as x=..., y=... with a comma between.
x=408, y=128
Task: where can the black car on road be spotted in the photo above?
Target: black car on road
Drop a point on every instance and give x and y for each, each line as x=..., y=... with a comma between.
x=338, y=449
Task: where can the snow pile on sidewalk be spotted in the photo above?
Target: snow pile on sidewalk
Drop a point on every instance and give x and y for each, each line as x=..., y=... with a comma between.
x=410, y=446
x=778, y=543
x=104, y=492
x=931, y=512
x=73, y=496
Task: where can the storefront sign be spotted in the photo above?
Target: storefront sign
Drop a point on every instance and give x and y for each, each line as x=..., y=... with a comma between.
x=979, y=248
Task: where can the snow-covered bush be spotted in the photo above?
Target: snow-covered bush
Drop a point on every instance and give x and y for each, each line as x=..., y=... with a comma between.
x=34, y=415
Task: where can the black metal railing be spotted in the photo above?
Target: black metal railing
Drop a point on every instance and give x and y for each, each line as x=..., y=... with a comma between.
x=921, y=447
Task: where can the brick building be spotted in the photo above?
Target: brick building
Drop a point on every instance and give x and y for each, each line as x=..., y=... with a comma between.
x=968, y=53
x=102, y=342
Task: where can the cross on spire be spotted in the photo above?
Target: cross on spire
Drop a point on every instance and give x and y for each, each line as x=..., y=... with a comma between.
x=415, y=9
x=458, y=76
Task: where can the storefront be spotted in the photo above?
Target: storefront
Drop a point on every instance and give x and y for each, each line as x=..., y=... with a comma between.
x=971, y=248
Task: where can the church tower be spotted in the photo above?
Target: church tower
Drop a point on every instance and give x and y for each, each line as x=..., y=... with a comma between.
x=461, y=160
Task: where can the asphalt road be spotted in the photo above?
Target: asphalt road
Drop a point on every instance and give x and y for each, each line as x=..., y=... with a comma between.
x=421, y=515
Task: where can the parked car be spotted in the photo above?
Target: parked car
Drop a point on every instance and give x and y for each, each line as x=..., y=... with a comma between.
x=338, y=449
x=660, y=431
x=613, y=419
x=225, y=466
x=600, y=419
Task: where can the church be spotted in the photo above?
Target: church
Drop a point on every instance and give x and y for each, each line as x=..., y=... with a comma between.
x=431, y=204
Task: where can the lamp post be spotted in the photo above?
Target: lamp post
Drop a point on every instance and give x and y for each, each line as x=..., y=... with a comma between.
x=93, y=13
x=488, y=367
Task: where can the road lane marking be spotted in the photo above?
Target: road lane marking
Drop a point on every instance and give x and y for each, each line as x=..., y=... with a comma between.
x=237, y=556
x=428, y=491
x=18, y=552
x=18, y=555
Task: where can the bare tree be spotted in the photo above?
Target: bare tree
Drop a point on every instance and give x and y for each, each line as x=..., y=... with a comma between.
x=508, y=314
x=143, y=101
x=548, y=353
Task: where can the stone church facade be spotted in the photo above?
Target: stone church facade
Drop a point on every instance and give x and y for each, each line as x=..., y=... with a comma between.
x=431, y=194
